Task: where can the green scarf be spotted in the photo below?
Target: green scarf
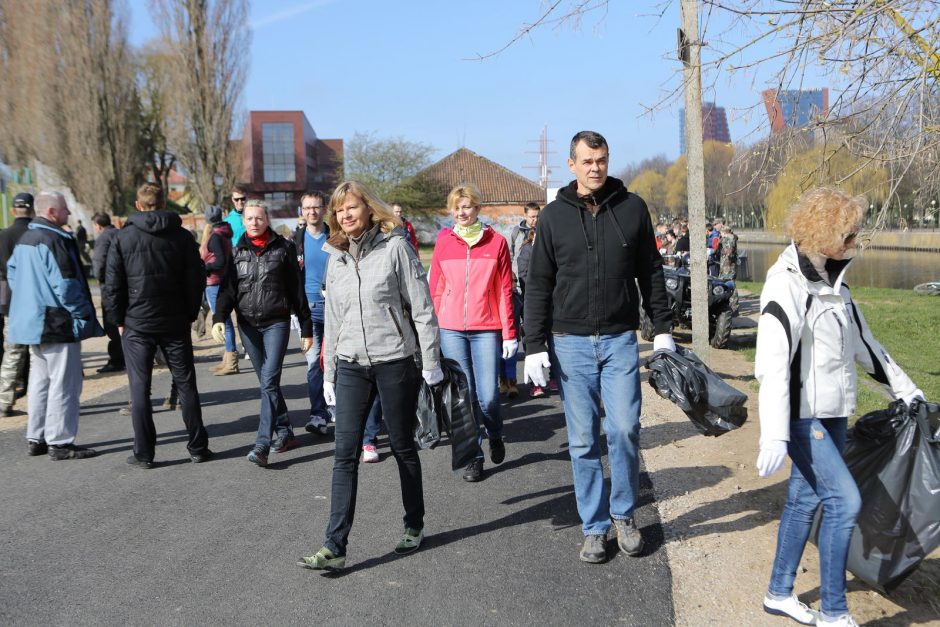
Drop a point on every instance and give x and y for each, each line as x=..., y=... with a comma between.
x=470, y=234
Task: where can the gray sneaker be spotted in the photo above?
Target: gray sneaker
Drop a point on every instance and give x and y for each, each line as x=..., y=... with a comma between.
x=629, y=538
x=594, y=549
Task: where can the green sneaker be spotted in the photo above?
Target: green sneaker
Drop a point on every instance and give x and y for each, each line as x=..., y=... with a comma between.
x=323, y=560
x=410, y=541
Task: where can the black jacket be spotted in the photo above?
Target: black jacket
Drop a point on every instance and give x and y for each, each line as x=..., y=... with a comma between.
x=585, y=268
x=154, y=278
x=8, y=239
x=264, y=285
x=99, y=257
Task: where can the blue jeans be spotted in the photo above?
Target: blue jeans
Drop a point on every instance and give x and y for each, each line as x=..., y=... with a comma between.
x=479, y=354
x=212, y=293
x=594, y=368
x=315, y=373
x=819, y=476
x=266, y=346
x=373, y=424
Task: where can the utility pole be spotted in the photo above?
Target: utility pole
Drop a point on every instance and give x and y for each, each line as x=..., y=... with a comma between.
x=690, y=52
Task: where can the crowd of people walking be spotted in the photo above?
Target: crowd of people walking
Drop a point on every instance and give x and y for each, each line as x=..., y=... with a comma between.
x=373, y=324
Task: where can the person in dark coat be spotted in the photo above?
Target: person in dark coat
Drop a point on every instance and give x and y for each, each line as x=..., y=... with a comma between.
x=216, y=253
x=152, y=293
x=264, y=286
x=594, y=250
x=15, y=362
x=104, y=235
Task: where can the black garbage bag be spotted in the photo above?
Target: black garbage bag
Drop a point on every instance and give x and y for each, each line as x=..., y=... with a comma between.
x=894, y=456
x=430, y=410
x=447, y=406
x=713, y=406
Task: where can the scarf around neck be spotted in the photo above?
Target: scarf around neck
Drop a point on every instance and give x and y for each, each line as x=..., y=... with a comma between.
x=471, y=233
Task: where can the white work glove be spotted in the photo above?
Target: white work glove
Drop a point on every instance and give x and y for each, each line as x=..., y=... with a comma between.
x=771, y=457
x=908, y=399
x=433, y=377
x=536, y=369
x=664, y=341
x=218, y=332
x=329, y=393
x=509, y=348
x=294, y=322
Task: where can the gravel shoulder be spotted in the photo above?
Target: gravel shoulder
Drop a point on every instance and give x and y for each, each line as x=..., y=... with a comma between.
x=720, y=518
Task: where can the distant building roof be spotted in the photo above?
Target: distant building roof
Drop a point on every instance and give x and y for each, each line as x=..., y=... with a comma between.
x=498, y=184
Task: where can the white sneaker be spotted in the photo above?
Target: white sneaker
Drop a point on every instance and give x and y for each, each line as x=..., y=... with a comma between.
x=845, y=620
x=793, y=608
x=369, y=454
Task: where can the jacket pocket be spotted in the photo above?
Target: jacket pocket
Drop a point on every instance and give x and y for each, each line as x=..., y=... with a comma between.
x=57, y=326
x=617, y=301
x=570, y=299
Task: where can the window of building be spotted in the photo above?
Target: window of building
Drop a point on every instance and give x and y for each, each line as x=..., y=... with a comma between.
x=277, y=139
x=277, y=197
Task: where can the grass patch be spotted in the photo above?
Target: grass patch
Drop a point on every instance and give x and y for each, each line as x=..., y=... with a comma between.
x=905, y=323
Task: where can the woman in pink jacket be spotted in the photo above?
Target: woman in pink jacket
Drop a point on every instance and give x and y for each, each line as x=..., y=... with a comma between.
x=471, y=285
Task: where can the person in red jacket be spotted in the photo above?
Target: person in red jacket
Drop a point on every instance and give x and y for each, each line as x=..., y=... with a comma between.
x=475, y=316
x=405, y=224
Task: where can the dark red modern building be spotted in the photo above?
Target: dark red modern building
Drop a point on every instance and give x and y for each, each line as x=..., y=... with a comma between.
x=284, y=158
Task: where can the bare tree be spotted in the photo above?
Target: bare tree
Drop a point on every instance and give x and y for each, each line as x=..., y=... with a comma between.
x=208, y=43
x=81, y=117
x=878, y=56
x=156, y=93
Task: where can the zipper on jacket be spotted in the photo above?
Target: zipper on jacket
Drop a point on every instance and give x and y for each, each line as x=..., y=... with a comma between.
x=597, y=279
x=466, y=291
x=362, y=323
x=395, y=322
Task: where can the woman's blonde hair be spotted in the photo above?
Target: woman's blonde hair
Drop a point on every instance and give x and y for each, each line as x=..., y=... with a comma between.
x=823, y=218
x=381, y=212
x=467, y=190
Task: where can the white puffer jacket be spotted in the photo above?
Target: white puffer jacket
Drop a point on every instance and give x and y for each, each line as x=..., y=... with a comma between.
x=809, y=337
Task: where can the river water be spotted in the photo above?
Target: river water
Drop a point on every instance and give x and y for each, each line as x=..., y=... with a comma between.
x=901, y=269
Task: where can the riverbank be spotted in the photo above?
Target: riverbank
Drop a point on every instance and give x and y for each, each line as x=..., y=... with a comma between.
x=923, y=240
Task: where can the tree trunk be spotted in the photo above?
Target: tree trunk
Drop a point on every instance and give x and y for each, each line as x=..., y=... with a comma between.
x=695, y=159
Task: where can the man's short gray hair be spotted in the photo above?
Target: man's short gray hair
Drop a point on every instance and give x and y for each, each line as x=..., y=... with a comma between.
x=48, y=200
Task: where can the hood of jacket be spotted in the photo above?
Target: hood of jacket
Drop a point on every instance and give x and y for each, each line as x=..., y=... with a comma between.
x=222, y=228
x=41, y=223
x=155, y=221
x=609, y=193
x=793, y=260
x=379, y=236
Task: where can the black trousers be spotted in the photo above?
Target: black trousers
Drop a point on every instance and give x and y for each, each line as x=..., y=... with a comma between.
x=115, y=350
x=396, y=384
x=139, y=349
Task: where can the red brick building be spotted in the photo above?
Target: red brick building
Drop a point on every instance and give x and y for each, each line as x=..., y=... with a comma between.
x=284, y=158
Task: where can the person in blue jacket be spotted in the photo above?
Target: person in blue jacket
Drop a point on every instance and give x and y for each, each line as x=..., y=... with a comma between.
x=52, y=312
x=235, y=217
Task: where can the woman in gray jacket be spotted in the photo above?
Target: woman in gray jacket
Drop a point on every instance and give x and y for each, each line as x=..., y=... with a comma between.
x=378, y=316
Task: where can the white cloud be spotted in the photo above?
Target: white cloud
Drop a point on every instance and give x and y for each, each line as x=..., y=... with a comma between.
x=285, y=14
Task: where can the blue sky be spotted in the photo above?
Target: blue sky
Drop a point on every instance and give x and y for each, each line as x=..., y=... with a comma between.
x=401, y=69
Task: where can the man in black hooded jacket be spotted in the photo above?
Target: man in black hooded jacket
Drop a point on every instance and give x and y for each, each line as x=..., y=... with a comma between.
x=593, y=246
x=152, y=293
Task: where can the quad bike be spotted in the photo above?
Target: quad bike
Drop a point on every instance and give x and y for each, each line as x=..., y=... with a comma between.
x=679, y=291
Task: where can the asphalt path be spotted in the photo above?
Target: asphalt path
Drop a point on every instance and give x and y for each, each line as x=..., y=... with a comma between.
x=100, y=542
